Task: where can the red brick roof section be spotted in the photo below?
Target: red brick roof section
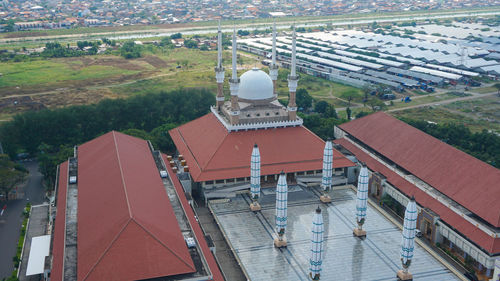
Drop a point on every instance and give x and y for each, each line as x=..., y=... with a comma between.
x=212, y=153
x=127, y=229
x=195, y=226
x=58, y=242
x=472, y=183
x=479, y=237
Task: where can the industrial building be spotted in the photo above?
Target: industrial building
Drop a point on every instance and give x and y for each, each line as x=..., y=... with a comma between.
x=457, y=194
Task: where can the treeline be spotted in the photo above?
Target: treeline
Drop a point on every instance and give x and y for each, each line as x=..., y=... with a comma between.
x=56, y=50
x=483, y=145
x=51, y=134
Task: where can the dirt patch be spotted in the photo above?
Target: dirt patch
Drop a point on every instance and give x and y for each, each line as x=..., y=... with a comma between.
x=22, y=104
x=73, y=84
x=117, y=62
x=155, y=61
x=74, y=97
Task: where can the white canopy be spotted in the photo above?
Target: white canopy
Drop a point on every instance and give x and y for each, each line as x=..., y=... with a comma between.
x=40, y=247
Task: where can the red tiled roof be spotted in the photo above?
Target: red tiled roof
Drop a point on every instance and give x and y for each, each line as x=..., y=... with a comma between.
x=472, y=183
x=479, y=237
x=188, y=211
x=127, y=229
x=213, y=153
x=56, y=273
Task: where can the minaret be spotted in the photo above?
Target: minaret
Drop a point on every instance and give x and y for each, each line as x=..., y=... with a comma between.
x=273, y=68
x=219, y=71
x=234, y=84
x=361, y=197
x=408, y=242
x=281, y=210
x=317, y=250
x=292, y=82
x=326, y=180
x=255, y=178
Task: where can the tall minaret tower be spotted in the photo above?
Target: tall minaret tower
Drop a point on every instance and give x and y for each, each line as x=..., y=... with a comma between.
x=234, y=84
x=273, y=69
x=292, y=82
x=219, y=71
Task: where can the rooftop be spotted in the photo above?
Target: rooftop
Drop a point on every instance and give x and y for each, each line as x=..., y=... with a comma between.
x=220, y=154
x=118, y=221
x=129, y=223
x=468, y=181
x=346, y=257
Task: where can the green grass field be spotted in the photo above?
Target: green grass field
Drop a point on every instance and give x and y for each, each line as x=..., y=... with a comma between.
x=41, y=72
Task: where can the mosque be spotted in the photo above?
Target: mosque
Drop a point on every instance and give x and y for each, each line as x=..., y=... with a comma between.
x=214, y=148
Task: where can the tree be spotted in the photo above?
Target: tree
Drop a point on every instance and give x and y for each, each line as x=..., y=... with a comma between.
x=167, y=42
x=11, y=174
x=376, y=104
x=497, y=86
x=190, y=44
x=130, y=50
x=243, y=32
x=320, y=106
x=361, y=114
x=367, y=89
x=304, y=100
x=176, y=36
x=348, y=111
x=330, y=112
x=349, y=96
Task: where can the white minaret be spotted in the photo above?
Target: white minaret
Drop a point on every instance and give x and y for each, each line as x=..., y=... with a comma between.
x=255, y=178
x=234, y=84
x=408, y=242
x=219, y=71
x=292, y=82
x=317, y=250
x=361, y=197
x=326, y=180
x=281, y=210
x=273, y=68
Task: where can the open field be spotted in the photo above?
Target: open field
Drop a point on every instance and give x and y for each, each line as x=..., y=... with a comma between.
x=37, y=84
x=442, y=115
x=486, y=90
x=486, y=109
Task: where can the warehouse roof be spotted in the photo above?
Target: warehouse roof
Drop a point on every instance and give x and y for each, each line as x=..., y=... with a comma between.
x=467, y=180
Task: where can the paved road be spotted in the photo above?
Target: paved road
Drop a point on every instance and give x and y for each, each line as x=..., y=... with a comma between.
x=11, y=227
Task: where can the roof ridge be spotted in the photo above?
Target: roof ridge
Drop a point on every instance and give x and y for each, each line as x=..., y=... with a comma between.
x=215, y=152
x=161, y=242
x=121, y=173
x=107, y=249
x=187, y=146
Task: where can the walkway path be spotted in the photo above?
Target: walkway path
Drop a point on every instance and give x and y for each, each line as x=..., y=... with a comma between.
x=10, y=228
